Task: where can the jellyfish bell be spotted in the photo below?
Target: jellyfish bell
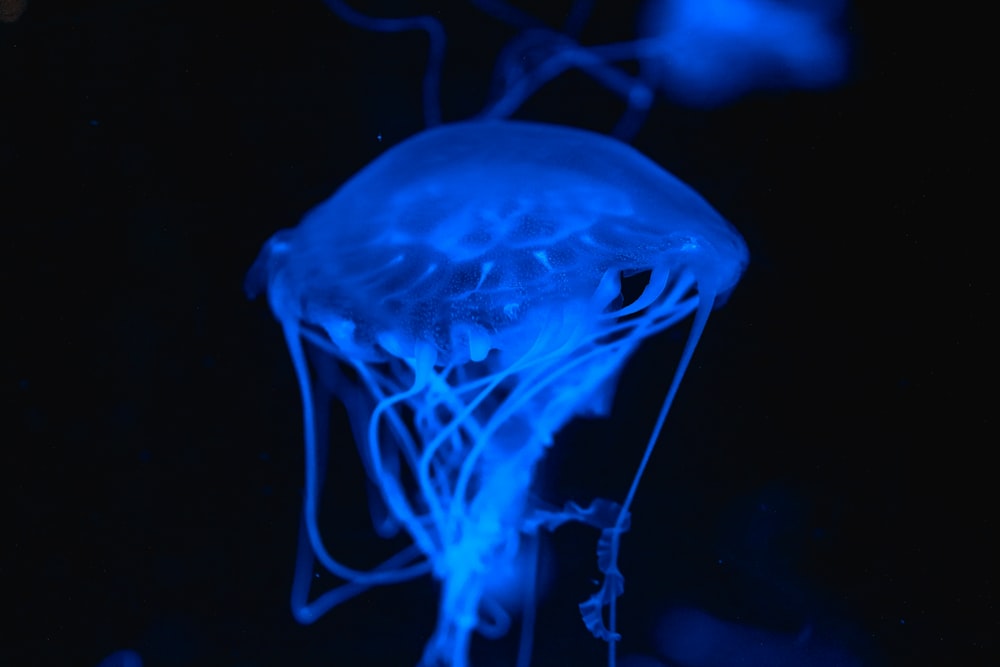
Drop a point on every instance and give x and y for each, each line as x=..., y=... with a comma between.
x=470, y=280
x=501, y=221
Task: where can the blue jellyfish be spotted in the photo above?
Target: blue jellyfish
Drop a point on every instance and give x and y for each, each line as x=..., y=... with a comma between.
x=462, y=296
x=709, y=52
x=693, y=638
x=702, y=53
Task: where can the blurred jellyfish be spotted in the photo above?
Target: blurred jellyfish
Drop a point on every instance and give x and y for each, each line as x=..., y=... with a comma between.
x=463, y=297
x=709, y=52
x=693, y=638
x=701, y=53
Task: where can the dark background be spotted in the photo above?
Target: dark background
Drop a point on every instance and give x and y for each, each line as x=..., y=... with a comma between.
x=826, y=463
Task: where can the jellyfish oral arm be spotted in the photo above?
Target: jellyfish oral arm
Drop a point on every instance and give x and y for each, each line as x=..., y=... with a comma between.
x=405, y=565
x=468, y=512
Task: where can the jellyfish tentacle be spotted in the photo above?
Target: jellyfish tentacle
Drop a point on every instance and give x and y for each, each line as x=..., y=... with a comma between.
x=704, y=308
x=307, y=612
x=592, y=60
x=512, y=84
x=393, y=493
x=311, y=546
x=435, y=49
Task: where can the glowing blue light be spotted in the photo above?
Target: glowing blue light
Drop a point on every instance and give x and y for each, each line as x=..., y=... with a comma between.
x=710, y=52
x=693, y=638
x=462, y=296
x=123, y=658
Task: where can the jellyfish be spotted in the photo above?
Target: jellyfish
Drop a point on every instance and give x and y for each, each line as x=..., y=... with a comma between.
x=700, y=53
x=706, y=53
x=694, y=638
x=464, y=297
